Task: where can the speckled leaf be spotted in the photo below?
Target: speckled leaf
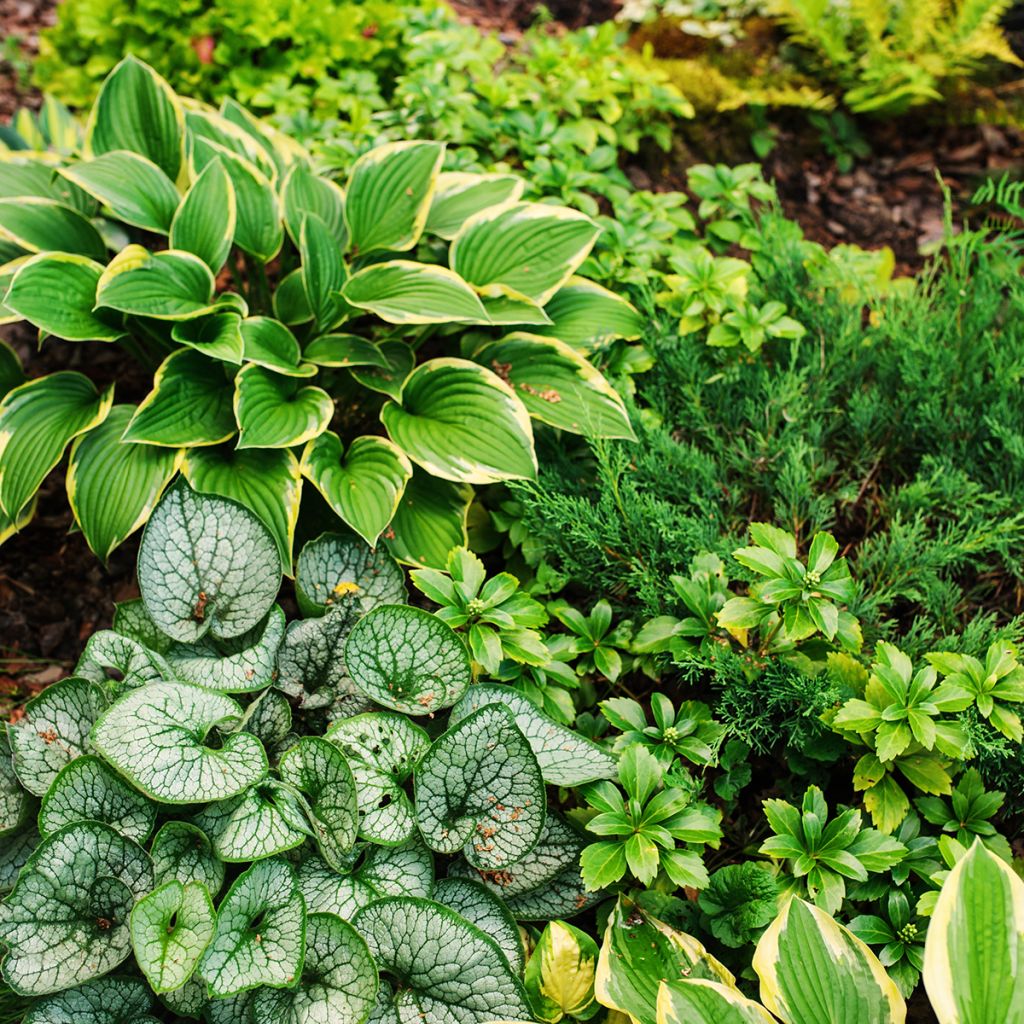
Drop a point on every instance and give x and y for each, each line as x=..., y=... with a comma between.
x=337, y=566
x=15, y=851
x=206, y=564
x=447, y=970
x=275, y=411
x=260, y=936
x=53, y=731
x=67, y=919
x=87, y=790
x=566, y=757
x=183, y=852
x=103, y=1001
x=263, y=821
x=156, y=737
x=382, y=750
x=240, y=665
x=407, y=659
x=319, y=769
x=233, y=1010
x=328, y=891
x=406, y=870
x=339, y=979
x=310, y=665
x=17, y=806
x=132, y=620
x=188, y=1001
x=479, y=788
x=481, y=907
x=170, y=929
x=111, y=657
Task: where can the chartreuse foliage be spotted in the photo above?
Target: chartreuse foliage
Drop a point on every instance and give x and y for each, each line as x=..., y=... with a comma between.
x=249, y=823
x=284, y=315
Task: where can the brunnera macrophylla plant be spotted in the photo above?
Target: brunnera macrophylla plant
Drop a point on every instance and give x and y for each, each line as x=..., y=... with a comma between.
x=242, y=819
x=391, y=342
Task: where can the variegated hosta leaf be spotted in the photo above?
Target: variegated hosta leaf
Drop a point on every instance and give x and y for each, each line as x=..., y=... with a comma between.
x=110, y=657
x=638, y=953
x=811, y=968
x=53, y=731
x=259, y=230
x=547, y=884
x=157, y=737
x=323, y=272
x=204, y=223
x=585, y=315
x=338, y=984
x=430, y=520
x=87, y=790
x=263, y=821
x=383, y=750
x=206, y=564
x=240, y=665
x=43, y=225
x=560, y=975
x=267, y=342
x=260, y=936
x=459, y=196
x=461, y=422
x=319, y=770
x=16, y=804
x=171, y=928
x=182, y=852
x=343, y=351
x=275, y=411
x=447, y=970
x=103, y=1001
x=310, y=664
x=406, y=292
x=479, y=788
x=132, y=620
x=340, y=568
x=699, y=1001
x=67, y=919
x=566, y=757
x=481, y=907
x=387, y=378
x=216, y=335
x=304, y=192
x=407, y=660
x=166, y=285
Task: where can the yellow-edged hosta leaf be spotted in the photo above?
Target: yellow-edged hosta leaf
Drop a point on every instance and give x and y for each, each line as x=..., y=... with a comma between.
x=304, y=192
x=23, y=176
x=323, y=272
x=812, y=969
x=217, y=335
x=43, y=225
x=273, y=411
x=210, y=134
x=204, y=223
x=699, y=1001
x=389, y=194
x=290, y=303
x=405, y=292
x=390, y=378
x=974, y=955
x=430, y=520
x=505, y=305
x=269, y=343
x=532, y=248
x=559, y=977
x=343, y=351
x=112, y=485
x=459, y=196
x=38, y=420
x=462, y=422
x=363, y=485
x=584, y=314
x=167, y=285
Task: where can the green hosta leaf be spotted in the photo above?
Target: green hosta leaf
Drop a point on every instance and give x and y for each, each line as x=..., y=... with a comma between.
x=17, y=806
x=56, y=292
x=42, y=225
x=67, y=919
x=323, y=272
x=240, y=665
x=339, y=979
x=204, y=223
x=264, y=480
x=389, y=194
x=103, y=1001
x=388, y=379
x=310, y=665
x=405, y=292
x=22, y=176
x=260, y=936
x=134, y=188
x=303, y=193
x=263, y=821
x=216, y=335
x=110, y=657
x=382, y=750
x=343, y=351
x=461, y=422
x=182, y=852
x=566, y=758
x=168, y=285
x=430, y=520
x=11, y=373
x=38, y=420
x=269, y=343
x=53, y=731
x=407, y=660
x=290, y=303
x=481, y=907
x=506, y=306
x=276, y=412
x=459, y=196
x=557, y=385
x=699, y=1001
x=206, y=565
x=259, y=229
x=362, y=485
x=87, y=790
x=137, y=110
x=190, y=404
x=113, y=486
x=531, y=248
x=156, y=737
x=319, y=770
x=585, y=315
x=170, y=929
x=447, y=970
x=479, y=788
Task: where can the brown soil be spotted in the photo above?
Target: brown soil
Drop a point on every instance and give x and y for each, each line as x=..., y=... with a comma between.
x=20, y=21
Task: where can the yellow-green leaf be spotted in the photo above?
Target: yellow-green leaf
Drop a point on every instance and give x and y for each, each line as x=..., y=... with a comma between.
x=699, y=1001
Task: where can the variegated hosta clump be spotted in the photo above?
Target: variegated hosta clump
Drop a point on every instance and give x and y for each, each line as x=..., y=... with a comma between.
x=320, y=822
x=392, y=342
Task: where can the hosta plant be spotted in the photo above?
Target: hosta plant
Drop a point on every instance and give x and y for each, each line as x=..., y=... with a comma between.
x=389, y=343
x=241, y=819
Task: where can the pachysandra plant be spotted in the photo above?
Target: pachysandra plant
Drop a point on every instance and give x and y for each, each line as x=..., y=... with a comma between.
x=390, y=343
x=237, y=818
